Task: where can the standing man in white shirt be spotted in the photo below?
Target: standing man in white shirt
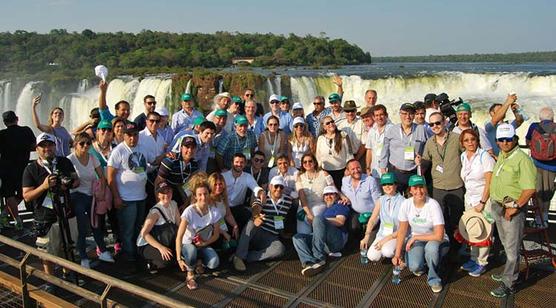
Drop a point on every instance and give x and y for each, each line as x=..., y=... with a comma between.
x=375, y=140
x=183, y=119
x=237, y=183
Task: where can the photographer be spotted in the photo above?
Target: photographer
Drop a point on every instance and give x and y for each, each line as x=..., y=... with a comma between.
x=45, y=181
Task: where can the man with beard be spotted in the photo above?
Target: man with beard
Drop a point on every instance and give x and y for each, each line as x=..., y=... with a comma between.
x=150, y=104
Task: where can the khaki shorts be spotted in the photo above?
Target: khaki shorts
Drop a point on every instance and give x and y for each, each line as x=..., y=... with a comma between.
x=52, y=242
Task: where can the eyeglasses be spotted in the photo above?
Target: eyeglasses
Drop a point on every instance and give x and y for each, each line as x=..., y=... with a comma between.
x=274, y=102
x=469, y=140
x=153, y=120
x=502, y=140
x=278, y=187
x=272, y=124
x=150, y=103
x=84, y=143
x=105, y=129
x=318, y=103
x=433, y=124
x=328, y=123
x=258, y=160
x=308, y=161
x=330, y=195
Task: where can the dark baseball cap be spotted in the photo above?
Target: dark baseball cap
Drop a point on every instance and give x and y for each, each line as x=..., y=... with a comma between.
x=408, y=107
x=163, y=187
x=131, y=129
x=430, y=97
x=9, y=116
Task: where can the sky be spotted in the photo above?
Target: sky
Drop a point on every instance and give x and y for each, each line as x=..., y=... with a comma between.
x=381, y=27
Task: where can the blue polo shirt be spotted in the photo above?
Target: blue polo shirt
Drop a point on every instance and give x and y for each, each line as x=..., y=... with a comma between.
x=362, y=197
x=335, y=210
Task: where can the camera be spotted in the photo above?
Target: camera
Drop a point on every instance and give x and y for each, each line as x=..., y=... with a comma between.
x=61, y=179
x=447, y=106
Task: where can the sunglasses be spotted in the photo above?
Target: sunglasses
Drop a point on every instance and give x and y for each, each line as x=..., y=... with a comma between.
x=272, y=124
x=328, y=123
x=389, y=184
x=330, y=194
x=258, y=160
x=249, y=95
x=106, y=129
x=469, y=140
x=298, y=125
x=84, y=143
x=318, y=103
x=502, y=140
x=274, y=102
x=308, y=161
x=278, y=187
x=433, y=124
x=153, y=121
x=151, y=103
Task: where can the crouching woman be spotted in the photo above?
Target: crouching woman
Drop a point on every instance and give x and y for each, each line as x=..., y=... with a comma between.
x=199, y=228
x=157, y=238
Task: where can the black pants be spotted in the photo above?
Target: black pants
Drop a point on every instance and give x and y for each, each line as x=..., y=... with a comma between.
x=451, y=202
x=242, y=215
x=402, y=179
x=337, y=176
x=152, y=256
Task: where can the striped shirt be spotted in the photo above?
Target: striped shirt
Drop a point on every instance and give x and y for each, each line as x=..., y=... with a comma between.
x=271, y=210
x=175, y=171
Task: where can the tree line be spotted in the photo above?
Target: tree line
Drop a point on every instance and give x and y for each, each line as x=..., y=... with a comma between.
x=523, y=57
x=60, y=50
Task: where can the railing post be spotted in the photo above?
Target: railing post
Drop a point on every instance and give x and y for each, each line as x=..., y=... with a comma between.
x=103, y=302
x=27, y=302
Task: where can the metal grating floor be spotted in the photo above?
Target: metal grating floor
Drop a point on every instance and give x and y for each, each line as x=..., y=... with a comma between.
x=254, y=298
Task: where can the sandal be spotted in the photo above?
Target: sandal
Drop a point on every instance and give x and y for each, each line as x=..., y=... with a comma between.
x=191, y=283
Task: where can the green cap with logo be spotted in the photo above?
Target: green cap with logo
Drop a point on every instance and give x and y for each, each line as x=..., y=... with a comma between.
x=464, y=107
x=104, y=124
x=236, y=99
x=198, y=120
x=334, y=97
x=186, y=97
x=241, y=120
x=388, y=178
x=284, y=98
x=416, y=180
x=221, y=113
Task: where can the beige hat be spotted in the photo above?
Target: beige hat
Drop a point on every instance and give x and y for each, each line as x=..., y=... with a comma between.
x=473, y=227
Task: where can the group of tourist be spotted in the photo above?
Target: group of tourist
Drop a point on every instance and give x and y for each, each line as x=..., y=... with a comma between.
x=190, y=189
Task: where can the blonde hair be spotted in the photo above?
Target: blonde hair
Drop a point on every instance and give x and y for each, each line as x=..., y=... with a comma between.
x=197, y=180
x=212, y=179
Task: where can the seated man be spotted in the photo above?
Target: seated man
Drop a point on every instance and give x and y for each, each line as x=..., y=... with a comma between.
x=329, y=235
x=261, y=234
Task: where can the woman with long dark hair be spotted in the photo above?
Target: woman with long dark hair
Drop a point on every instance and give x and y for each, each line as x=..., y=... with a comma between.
x=333, y=150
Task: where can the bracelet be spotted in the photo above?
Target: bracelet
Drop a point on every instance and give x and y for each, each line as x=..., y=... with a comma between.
x=482, y=202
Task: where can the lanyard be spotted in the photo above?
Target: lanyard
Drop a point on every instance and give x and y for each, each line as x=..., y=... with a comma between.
x=402, y=135
x=258, y=174
x=182, y=169
x=444, y=149
x=239, y=142
x=276, y=208
x=276, y=141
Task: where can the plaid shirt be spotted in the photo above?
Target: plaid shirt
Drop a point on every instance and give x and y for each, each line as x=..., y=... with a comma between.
x=232, y=143
x=313, y=122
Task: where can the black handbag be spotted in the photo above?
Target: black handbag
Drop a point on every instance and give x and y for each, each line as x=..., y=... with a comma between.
x=166, y=233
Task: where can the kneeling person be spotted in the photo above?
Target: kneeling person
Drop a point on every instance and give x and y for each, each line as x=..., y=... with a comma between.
x=329, y=235
x=261, y=234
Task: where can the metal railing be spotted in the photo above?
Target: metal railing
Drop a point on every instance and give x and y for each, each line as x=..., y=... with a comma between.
x=26, y=270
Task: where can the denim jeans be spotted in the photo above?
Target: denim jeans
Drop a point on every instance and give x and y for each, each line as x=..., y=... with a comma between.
x=190, y=252
x=430, y=252
x=256, y=244
x=130, y=218
x=313, y=248
x=82, y=208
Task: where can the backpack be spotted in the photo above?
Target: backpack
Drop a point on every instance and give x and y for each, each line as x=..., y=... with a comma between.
x=543, y=142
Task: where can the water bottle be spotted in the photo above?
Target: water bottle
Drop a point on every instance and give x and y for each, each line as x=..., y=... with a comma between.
x=523, y=115
x=363, y=255
x=396, y=275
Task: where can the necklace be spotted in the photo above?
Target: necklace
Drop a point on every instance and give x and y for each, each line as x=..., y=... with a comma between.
x=310, y=179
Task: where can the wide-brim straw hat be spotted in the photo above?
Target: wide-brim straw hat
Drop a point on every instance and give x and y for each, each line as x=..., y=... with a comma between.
x=473, y=227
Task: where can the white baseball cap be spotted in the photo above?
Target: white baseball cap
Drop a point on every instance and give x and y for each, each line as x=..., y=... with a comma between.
x=505, y=130
x=297, y=105
x=298, y=120
x=278, y=180
x=45, y=137
x=329, y=190
x=274, y=97
x=162, y=111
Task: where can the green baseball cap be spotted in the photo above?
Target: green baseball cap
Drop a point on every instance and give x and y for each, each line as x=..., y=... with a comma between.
x=388, y=178
x=416, y=180
x=236, y=99
x=221, y=113
x=464, y=107
x=334, y=97
x=104, y=124
x=186, y=97
x=198, y=120
x=241, y=120
x=284, y=98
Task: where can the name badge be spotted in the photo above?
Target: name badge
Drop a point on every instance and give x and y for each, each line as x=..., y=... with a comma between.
x=47, y=203
x=387, y=229
x=409, y=153
x=223, y=225
x=138, y=170
x=271, y=162
x=440, y=169
x=278, y=222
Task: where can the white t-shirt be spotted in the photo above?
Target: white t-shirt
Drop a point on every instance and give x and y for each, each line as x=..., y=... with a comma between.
x=151, y=148
x=473, y=174
x=170, y=213
x=195, y=222
x=86, y=173
x=423, y=220
x=131, y=175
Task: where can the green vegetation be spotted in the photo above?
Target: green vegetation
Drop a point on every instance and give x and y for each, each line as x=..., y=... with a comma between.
x=63, y=54
x=524, y=57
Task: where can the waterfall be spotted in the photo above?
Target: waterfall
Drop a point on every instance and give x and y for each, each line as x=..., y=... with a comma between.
x=220, y=85
x=159, y=88
x=5, y=95
x=24, y=108
x=188, y=86
x=83, y=86
x=269, y=88
x=278, y=84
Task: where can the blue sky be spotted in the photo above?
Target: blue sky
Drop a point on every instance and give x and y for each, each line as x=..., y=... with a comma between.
x=384, y=28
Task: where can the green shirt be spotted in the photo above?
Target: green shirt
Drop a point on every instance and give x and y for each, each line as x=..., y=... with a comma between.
x=512, y=173
x=446, y=162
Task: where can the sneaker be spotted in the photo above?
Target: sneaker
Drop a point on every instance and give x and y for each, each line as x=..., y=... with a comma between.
x=418, y=273
x=496, y=277
x=478, y=271
x=106, y=256
x=151, y=268
x=335, y=254
x=502, y=291
x=238, y=263
x=436, y=288
x=469, y=266
x=314, y=269
x=85, y=263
